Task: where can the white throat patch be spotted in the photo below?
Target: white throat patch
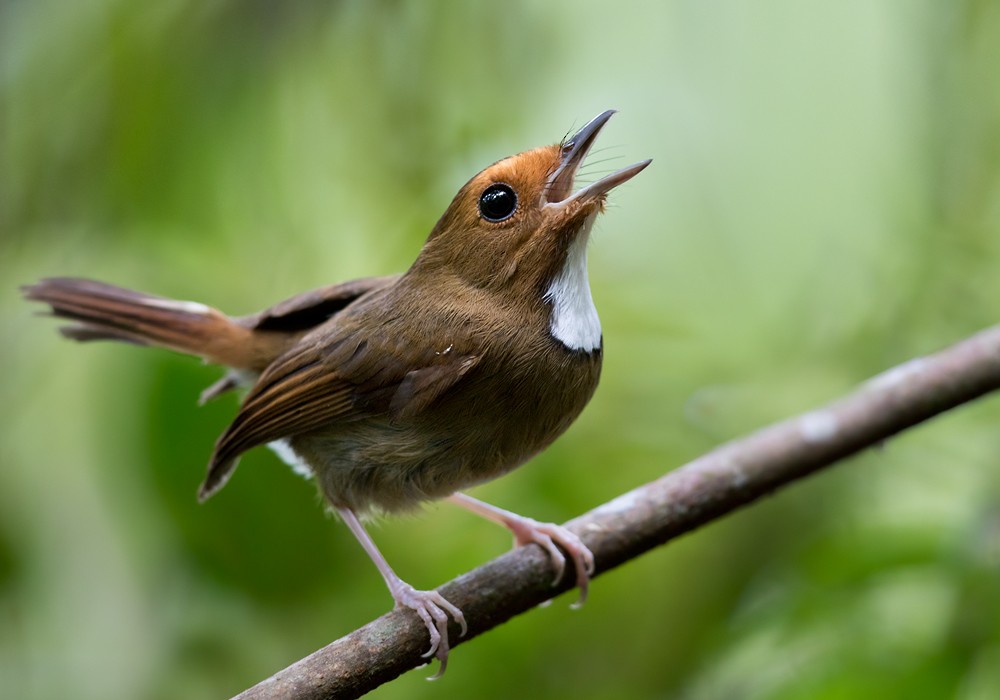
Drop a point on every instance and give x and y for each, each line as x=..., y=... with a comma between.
x=574, y=321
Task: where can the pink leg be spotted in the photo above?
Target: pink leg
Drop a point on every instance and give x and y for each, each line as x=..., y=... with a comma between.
x=548, y=535
x=431, y=606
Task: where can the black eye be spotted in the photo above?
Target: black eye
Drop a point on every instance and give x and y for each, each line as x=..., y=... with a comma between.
x=497, y=202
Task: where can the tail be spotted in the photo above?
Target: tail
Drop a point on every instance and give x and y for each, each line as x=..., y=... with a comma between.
x=104, y=312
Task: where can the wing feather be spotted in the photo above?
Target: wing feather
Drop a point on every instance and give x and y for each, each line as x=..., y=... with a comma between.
x=336, y=374
x=297, y=394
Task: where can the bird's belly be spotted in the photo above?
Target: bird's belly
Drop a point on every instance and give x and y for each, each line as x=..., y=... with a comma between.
x=373, y=466
x=469, y=437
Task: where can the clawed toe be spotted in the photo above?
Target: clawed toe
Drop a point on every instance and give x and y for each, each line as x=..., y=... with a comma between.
x=430, y=606
x=548, y=535
x=433, y=609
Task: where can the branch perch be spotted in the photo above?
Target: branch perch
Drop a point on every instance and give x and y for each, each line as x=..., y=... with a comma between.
x=717, y=483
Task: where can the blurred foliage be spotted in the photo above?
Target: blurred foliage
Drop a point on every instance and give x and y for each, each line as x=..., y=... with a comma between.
x=824, y=203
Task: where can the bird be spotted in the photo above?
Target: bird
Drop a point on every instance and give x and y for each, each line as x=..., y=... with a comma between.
x=393, y=391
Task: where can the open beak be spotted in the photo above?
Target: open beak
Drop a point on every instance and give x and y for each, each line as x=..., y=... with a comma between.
x=559, y=189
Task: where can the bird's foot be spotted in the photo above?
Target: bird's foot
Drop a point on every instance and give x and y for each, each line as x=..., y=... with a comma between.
x=548, y=536
x=434, y=610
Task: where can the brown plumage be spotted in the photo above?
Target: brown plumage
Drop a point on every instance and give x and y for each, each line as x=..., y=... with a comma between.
x=395, y=390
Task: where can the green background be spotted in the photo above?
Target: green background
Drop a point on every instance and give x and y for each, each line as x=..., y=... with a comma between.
x=824, y=203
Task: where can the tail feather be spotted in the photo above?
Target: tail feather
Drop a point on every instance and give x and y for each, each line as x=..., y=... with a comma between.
x=102, y=311
x=85, y=333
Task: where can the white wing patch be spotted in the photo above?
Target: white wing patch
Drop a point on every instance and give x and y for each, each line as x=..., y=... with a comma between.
x=284, y=450
x=574, y=321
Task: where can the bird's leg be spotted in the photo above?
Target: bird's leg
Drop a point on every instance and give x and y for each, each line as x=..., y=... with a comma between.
x=547, y=535
x=431, y=606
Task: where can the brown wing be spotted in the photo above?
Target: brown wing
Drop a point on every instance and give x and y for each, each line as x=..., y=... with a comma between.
x=292, y=317
x=328, y=378
x=309, y=309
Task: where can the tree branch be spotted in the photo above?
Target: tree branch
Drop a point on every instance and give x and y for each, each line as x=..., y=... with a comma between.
x=712, y=485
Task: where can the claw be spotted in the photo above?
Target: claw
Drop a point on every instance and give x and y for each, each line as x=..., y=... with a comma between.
x=433, y=609
x=548, y=535
x=430, y=606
